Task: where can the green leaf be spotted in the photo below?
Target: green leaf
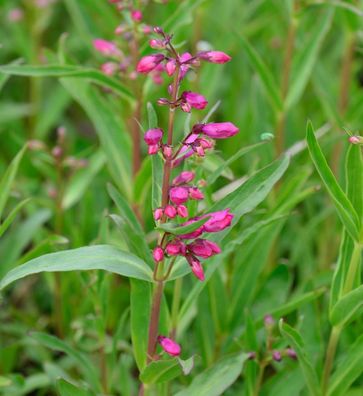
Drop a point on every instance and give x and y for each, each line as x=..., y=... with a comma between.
x=348, y=370
x=216, y=379
x=342, y=204
x=181, y=230
x=66, y=389
x=69, y=71
x=161, y=371
x=347, y=307
x=82, y=361
x=263, y=71
x=354, y=177
x=297, y=343
x=10, y=218
x=140, y=301
x=8, y=179
x=304, y=62
x=98, y=257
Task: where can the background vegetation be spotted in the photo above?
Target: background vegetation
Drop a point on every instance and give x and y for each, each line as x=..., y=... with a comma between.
x=292, y=61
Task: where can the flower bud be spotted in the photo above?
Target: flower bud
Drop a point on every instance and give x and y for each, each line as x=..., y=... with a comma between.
x=276, y=356
x=193, y=234
x=195, y=100
x=182, y=211
x=146, y=29
x=218, y=221
x=219, y=130
x=291, y=353
x=196, y=267
x=195, y=193
x=214, y=56
x=204, y=248
x=269, y=321
x=356, y=139
x=175, y=248
x=158, y=30
x=57, y=152
x=158, y=254
x=184, y=178
x=153, y=136
x=170, y=67
x=170, y=211
x=163, y=102
x=105, y=47
x=36, y=145
x=120, y=29
x=156, y=44
x=149, y=63
x=178, y=195
x=136, y=15
x=153, y=149
x=167, y=151
x=158, y=214
x=186, y=107
x=15, y=15
x=169, y=346
x=109, y=68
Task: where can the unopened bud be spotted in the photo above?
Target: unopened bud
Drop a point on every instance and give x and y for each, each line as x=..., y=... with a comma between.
x=167, y=151
x=276, y=356
x=158, y=30
x=158, y=254
x=356, y=139
x=57, y=152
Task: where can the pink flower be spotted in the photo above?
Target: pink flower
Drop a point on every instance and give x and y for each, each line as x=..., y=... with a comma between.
x=146, y=29
x=182, y=211
x=136, y=15
x=158, y=214
x=214, y=56
x=169, y=346
x=184, y=178
x=109, y=68
x=167, y=151
x=204, y=248
x=218, y=221
x=15, y=15
x=105, y=47
x=153, y=136
x=149, y=63
x=158, y=254
x=156, y=44
x=178, y=195
x=218, y=130
x=170, y=211
x=195, y=100
x=195, y=193
x=196, y=267
x=170, y=67
x=175, y=248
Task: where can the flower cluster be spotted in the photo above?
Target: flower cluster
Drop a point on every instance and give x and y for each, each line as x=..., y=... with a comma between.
x=192, y=245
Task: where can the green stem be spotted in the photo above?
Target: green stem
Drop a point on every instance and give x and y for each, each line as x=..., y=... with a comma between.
x=353, y=268
x=329, y=359
x=175, y=307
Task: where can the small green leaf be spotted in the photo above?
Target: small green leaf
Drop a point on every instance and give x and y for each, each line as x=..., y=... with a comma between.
x=67, y=389
x=185, y=229
x=165, y=370
x=297, y=343
x=98, y=257
x=216, y=379
x=342, y=204
x=10, y=218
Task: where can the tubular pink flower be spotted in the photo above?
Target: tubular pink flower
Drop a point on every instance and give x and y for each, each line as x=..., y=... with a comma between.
x=195, y=100
x=204, y=248
x=156, y=44
x=218, y=130
x=195, y=193
x=169, y=346
x=178, y=195
x=170, y=211
x=167, y=151
x=184, y=178
x=153, y=136
x=175, y=248
x=170, y=67
x=153, y=149
x=214, y=56
x=182, y=211
x=149, y=63
x=136, y=15
x=105, y=47
x=158, y=214
x=218, y=221
x=196, y=267
x=158, y=254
